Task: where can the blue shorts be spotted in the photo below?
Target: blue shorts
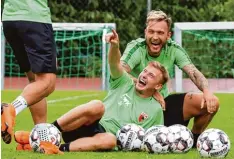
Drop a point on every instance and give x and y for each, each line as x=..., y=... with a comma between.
x=33, y=45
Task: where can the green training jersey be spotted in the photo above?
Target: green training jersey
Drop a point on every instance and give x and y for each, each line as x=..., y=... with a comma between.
x=26, y=10
x=124, y=106
x=137, y=57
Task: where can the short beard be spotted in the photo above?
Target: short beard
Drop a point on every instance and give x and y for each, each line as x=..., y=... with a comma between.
x=153, y=54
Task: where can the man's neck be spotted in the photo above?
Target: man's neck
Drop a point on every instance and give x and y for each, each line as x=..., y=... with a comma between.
x=144, y=94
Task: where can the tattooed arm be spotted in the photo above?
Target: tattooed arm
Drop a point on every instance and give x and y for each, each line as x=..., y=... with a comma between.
x=196, y=76
x=201, y=82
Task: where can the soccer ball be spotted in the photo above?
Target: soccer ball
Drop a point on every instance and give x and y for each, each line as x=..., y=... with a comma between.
x=44, y=132
x=180, y=138
x=213, y=143
x=155, y=140
x=130, y=137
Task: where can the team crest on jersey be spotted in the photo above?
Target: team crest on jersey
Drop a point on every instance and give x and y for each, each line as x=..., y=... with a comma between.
x=143, y=116
x=125, y=100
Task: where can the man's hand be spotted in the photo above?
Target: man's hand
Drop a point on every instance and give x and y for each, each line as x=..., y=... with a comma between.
x=112, y=38
x=209, y=99
x=160, y=99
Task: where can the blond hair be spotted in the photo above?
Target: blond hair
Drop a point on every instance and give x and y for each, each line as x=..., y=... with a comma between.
x=165, y=75
x=158, y=15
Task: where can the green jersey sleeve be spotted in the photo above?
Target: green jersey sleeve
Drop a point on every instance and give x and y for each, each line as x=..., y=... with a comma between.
x=182, y=58
x=132, y=54
x=121, y=81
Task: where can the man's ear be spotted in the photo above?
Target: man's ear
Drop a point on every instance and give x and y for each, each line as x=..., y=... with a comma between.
x=169, y=35
x=158, y=87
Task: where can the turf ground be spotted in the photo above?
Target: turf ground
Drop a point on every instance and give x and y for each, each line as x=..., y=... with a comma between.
x=61, y=101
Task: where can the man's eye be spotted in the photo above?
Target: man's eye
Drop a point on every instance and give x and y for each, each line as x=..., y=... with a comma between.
x=151, y=75
x=160, y=33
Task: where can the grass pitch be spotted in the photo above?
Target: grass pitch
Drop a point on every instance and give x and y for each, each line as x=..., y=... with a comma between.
x=61, y=101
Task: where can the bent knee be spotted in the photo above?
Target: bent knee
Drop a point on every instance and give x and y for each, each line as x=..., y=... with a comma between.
x=98, y=108
x=48, y=81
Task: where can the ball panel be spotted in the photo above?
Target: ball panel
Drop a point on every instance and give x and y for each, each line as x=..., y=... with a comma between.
x=130, y=137
x=213, y=143
x=156, y=140
x=44, y=132
x=180, y=138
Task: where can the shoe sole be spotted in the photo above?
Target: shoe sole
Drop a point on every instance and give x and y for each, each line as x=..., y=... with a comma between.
x=6, y=136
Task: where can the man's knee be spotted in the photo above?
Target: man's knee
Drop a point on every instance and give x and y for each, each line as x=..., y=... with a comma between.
x=48, y=80
x=97, y=108
x=106, y=141
x=111, y=141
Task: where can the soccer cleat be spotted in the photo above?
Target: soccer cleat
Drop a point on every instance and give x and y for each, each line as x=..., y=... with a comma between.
x=23, y=147
x=22, y=137
x=19, y=147
x=8, y=121
x=49, y=148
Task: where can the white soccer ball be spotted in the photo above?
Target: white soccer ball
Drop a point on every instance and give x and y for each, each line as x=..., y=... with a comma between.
x=180, y=138
x=130, y=137
x=213, y=143
x=44, y=132
x=155, y=140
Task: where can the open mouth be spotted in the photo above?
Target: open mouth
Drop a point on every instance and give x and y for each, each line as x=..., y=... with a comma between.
x=142, y=82
x=156, y=45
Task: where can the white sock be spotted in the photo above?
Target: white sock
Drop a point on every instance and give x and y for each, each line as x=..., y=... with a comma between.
x=20, y=104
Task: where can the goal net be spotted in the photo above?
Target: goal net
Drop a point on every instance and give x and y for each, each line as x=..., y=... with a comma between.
x=82, y=58
x=210, y=46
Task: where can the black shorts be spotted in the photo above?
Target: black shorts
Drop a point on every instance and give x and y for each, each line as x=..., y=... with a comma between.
x=33, y=45
x=174, y=110
x=83, y=131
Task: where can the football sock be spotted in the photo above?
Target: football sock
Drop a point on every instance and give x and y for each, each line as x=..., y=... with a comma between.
x=55, y=123
x=20, y=104
x=195, y=136
x=64, y=147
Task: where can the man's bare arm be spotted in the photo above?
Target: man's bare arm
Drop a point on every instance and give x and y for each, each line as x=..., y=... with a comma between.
x=196, y=76
x=114, y=55
x=128, y=70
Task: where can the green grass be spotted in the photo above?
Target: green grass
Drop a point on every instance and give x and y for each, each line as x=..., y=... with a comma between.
x=224, y=120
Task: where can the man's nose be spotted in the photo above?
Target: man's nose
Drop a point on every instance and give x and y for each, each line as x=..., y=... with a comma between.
x=155, y=36
x=144, y=75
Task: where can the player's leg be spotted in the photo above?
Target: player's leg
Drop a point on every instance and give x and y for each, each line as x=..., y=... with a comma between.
x=8, y=111
x=37, y=40
x=81, y=121
x=88, y=137
x=192, y=108
x=100, y=141
x=41, y=51
x=39, y=115
x=84, y=114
